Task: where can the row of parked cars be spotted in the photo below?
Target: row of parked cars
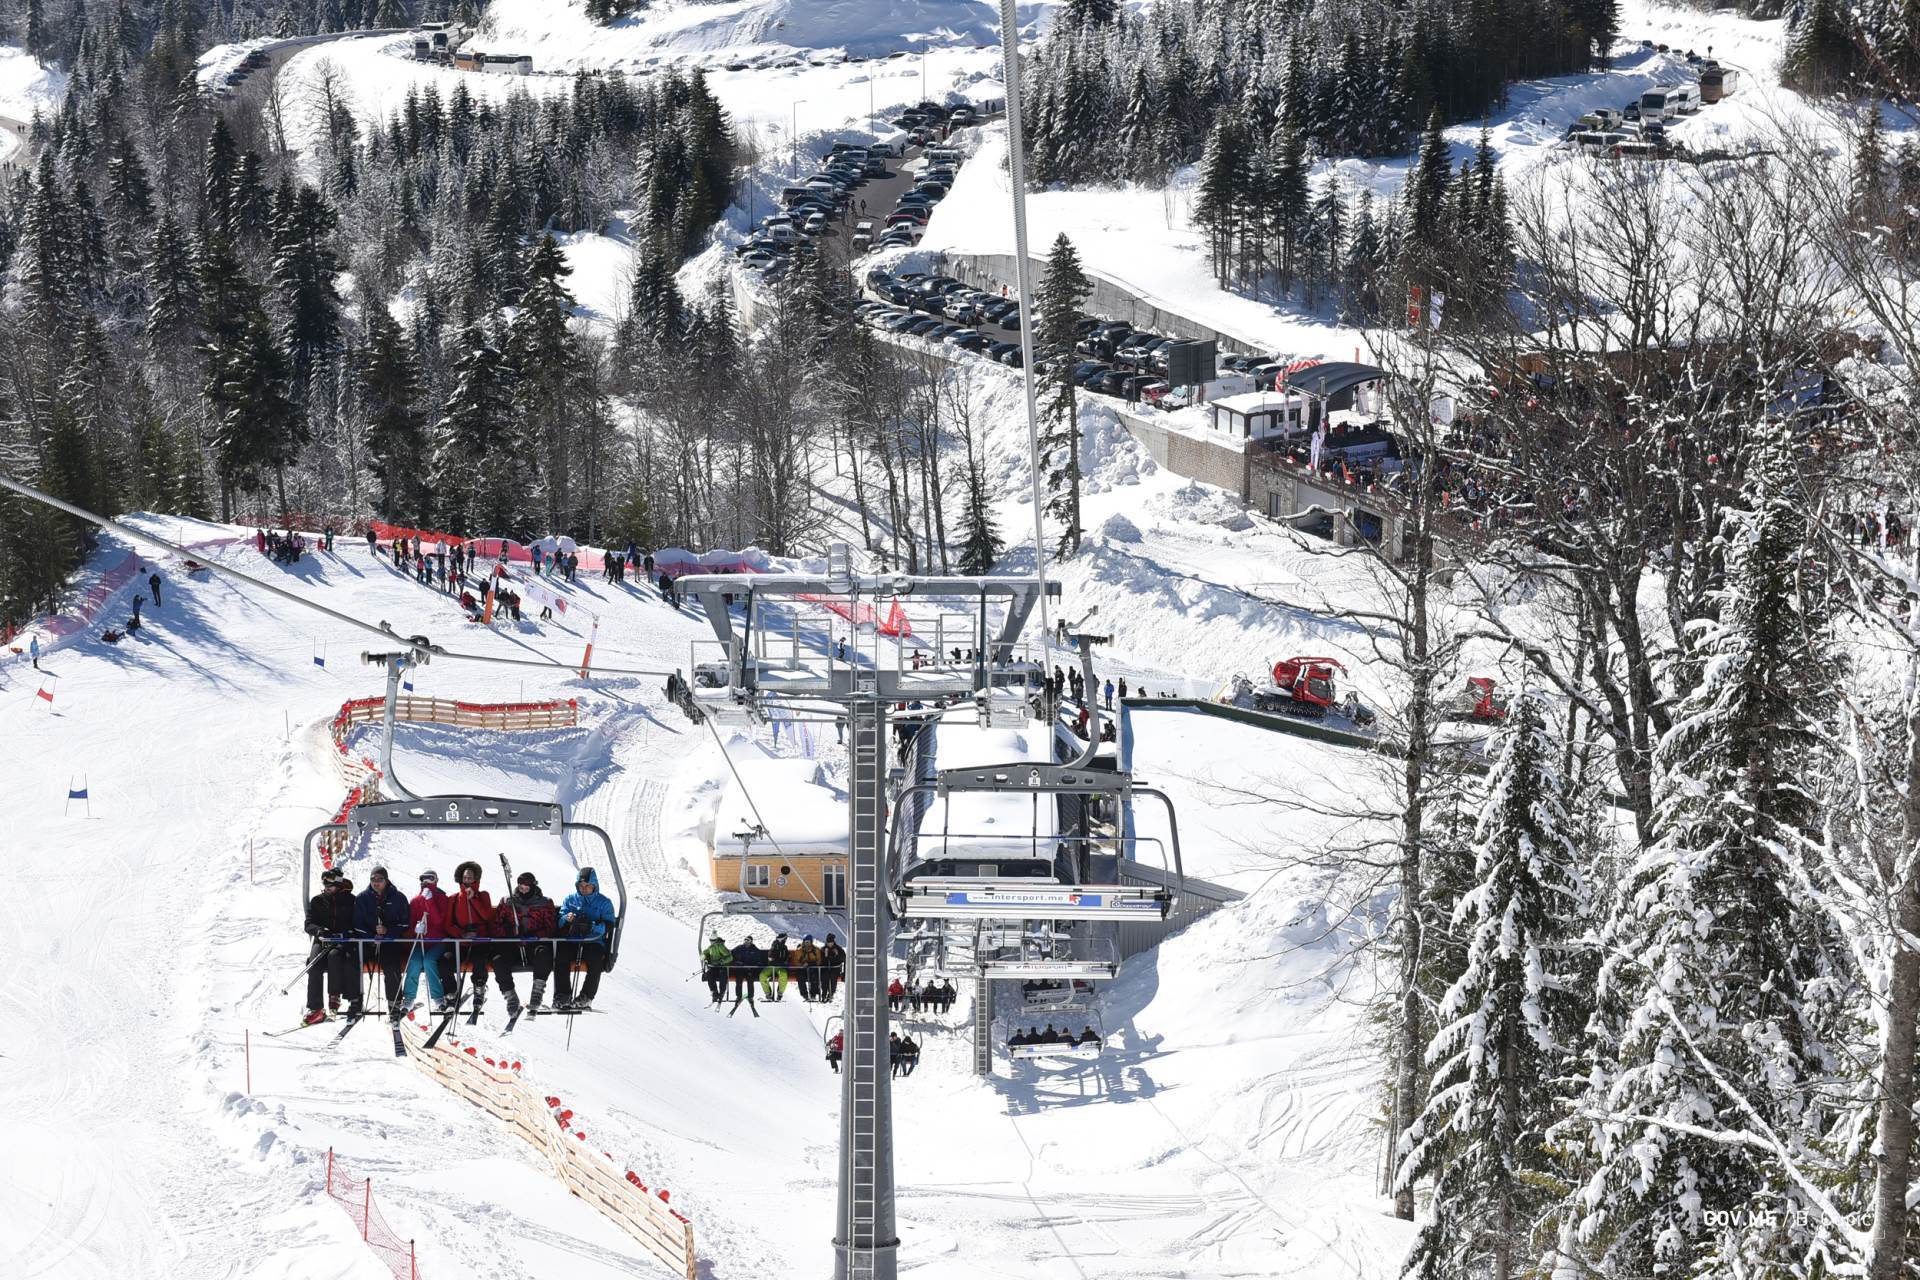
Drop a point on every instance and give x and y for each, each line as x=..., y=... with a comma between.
x=1638, y=130
x=907, y=222
x=808, y=206
x=1111, y=356
x=942, y=309
x=930, y=122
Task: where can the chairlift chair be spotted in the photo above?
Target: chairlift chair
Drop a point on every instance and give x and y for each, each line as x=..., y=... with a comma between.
x=449, y=814
x=1062, y=1050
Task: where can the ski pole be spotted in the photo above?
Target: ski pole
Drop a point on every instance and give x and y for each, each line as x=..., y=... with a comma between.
x=318, y=956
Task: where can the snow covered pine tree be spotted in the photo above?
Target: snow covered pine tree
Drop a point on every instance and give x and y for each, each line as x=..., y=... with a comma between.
x=1507, y=1024
x=1716, y=984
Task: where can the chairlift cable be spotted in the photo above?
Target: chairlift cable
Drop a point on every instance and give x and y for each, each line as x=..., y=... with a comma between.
x=214, y=565
x=741, y=783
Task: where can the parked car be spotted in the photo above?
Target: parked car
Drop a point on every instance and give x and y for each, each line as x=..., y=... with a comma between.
x=862, y=235
x=816, y=224
x=1011, y=356
x=996, y=351
x=1011, y=320
x=966, y=339
x=1087, y=370
x=923, y=326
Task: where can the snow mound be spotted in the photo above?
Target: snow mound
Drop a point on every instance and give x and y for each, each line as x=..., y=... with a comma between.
x=1117, y=528
x=1204, y=504
x=1109, y=455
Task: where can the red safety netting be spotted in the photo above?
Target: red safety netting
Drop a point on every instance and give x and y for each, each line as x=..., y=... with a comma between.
x=894, y=624
x=355, y=1195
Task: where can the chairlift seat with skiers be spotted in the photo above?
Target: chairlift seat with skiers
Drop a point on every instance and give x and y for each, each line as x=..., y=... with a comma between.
x=446, y=815
x=1067, y=1046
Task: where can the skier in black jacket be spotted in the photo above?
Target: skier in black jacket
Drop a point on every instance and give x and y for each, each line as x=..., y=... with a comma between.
x=748, y=960
x=330, y=915
x=833, y=962
x=381, y=912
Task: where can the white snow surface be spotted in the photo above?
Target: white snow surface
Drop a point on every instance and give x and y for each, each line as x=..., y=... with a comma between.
x=156, y=923
x=26, y=86
x=559, y=30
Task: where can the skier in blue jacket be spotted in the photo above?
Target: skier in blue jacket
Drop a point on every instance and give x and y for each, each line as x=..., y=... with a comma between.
x=380, y=912
x=587, y=918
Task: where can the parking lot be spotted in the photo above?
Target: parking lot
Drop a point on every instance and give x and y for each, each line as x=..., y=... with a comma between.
x=1111, y=357
x=822, y=210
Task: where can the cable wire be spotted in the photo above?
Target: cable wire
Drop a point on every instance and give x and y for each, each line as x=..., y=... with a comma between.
x=383, y=630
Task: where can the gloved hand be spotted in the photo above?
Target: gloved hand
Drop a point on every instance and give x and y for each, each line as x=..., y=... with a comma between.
x=420, y=929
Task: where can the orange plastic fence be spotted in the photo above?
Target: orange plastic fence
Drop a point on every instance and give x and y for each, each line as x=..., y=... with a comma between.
x=355, y=1195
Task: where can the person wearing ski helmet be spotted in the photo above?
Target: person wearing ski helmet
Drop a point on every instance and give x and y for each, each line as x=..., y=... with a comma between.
x=523, y=923
x=745, y=966
x=773, y=977
x=587, y=918
x=714, y=962
x=330, y=917
x=806, y=968
x=429, y=918
x=833, y=961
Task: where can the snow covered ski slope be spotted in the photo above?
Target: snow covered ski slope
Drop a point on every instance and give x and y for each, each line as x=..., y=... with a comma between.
x=157, y=921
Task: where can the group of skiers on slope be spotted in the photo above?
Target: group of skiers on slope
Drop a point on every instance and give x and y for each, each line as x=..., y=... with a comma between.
x=282, y=548
x=618, y=562
x=133, y=623
x=409, y=938
x=1063, y=1038
x=816, y=969
x=935, y=997
x=904, y=1051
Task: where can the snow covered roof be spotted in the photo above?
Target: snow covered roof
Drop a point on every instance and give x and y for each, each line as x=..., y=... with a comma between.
x=801, y=811
x=987, y=823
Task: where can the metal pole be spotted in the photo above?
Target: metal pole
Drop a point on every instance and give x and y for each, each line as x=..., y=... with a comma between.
x=866, y=1247
x=396, y=663
x=1023, y=277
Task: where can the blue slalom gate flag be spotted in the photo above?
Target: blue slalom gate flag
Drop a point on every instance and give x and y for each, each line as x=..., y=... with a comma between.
x=76, y=793
x=406, y=684
x=319, y=661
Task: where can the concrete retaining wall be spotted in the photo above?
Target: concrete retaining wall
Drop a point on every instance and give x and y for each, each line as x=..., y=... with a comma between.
x=992, y=271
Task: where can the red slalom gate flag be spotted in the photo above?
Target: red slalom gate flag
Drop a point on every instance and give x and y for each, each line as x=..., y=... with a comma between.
x=44, y=693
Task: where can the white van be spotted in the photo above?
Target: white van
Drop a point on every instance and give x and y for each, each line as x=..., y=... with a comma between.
x=784, y=232
x=862, y=235
x=1656, y=104
x=1682, y=101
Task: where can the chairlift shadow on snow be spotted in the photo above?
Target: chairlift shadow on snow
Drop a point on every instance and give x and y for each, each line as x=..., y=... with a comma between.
x=1120, y=1074
x=184, y=622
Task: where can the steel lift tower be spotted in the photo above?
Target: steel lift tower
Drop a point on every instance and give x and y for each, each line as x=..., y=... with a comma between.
x=862, y=690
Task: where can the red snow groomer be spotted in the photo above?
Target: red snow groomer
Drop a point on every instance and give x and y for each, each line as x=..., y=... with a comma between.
x=1301, y=687
x=1481, y=703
